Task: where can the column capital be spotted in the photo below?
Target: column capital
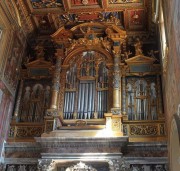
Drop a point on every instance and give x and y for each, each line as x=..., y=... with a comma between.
x=116, y=51
x=51, y=112
x=116, y=111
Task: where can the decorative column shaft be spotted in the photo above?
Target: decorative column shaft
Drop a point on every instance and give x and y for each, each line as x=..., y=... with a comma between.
x=53, y=111
x=19, y=96
x=56, y=83
x=116, y=82
x=124, y=95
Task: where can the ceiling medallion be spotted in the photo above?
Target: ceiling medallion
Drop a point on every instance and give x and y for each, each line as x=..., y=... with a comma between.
x=85, y=2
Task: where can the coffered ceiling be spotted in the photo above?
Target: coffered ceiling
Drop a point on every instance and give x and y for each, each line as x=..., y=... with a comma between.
x=47, y=16
x=43, y=18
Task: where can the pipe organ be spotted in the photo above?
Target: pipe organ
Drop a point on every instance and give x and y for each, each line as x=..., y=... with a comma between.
x=86, y=87
x=141, y=98
x=35, y=100
x=94, y=81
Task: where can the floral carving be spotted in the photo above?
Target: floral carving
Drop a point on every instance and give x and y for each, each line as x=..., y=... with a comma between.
x=143, y=130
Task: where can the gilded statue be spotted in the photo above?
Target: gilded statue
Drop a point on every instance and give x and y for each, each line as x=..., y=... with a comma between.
x=89, y=33
x=138, y=47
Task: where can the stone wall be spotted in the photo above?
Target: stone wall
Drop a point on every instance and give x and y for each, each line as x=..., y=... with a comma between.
x=172, y=75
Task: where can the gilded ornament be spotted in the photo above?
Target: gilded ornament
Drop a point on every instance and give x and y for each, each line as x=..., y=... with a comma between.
x=85, y=2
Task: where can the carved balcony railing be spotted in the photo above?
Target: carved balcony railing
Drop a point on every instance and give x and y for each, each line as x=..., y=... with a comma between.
x=25, y=130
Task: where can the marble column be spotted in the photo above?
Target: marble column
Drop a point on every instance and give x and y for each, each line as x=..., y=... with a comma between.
x=19, y=96
x=116, y=83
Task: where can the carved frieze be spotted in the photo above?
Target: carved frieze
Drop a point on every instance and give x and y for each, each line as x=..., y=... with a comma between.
x=143, y=130
x=29, y=131
x=21, y=167
x=48, y=126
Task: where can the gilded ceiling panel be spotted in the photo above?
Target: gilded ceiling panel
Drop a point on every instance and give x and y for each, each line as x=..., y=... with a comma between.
x=84, y=2
x=36, y=4
x=124, y=1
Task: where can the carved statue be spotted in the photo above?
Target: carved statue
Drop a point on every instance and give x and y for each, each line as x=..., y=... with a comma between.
x=22, y=168
x=11, y=168
x=39, y=51
x=89, y=33
x=138, y=47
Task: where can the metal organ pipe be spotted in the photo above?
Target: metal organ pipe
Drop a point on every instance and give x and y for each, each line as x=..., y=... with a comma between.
x=90, y=101
x=69, y=105
x=73, y=103
x=86, y=100
x=93, y=98
x=106, y=99
x=65, y=105
x=100, y=107
x=82, y=102
x=78, y=101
